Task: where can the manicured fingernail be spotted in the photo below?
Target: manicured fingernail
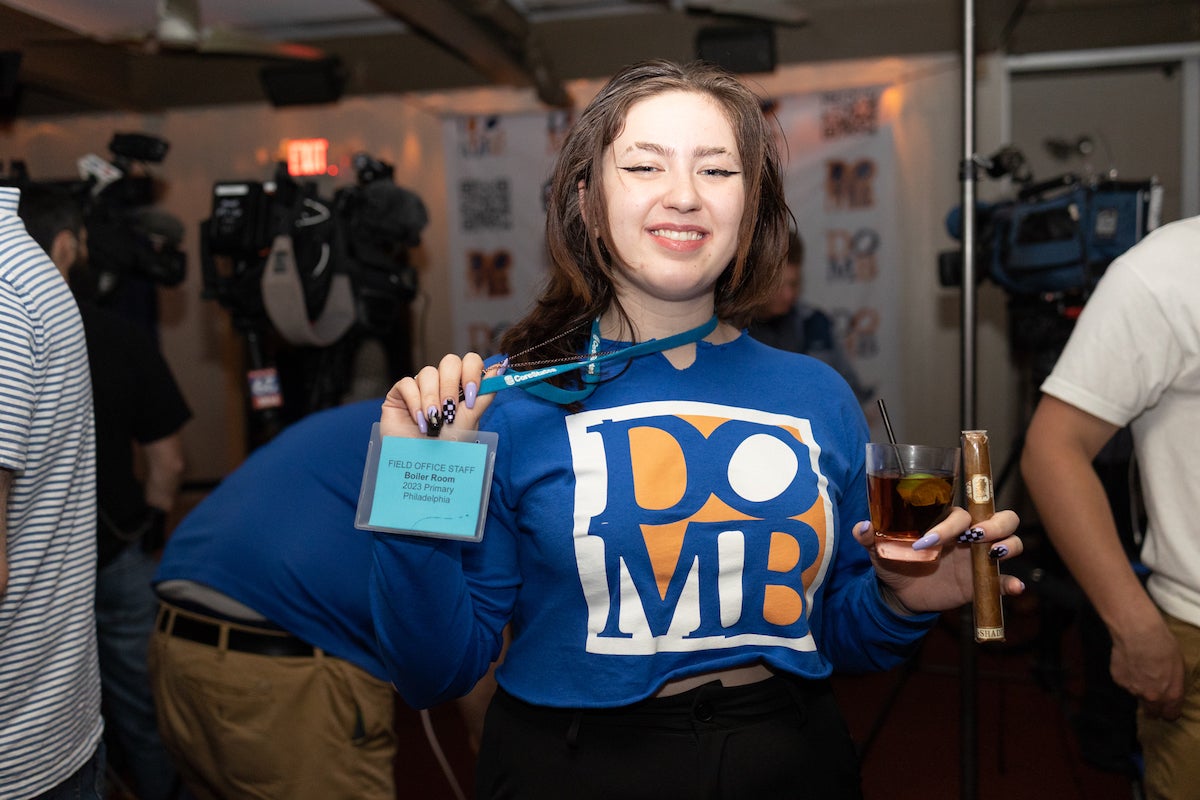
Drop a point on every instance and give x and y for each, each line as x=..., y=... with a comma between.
x=435, y=420
x=448, y=410
x=502, y=367
x=928, y=540
x=422, y=426
x=470, y=392
x=862, y=526
x=999, y=551
x=970, y=535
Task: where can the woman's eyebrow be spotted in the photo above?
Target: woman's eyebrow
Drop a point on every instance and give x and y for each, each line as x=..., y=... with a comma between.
x=701, y=151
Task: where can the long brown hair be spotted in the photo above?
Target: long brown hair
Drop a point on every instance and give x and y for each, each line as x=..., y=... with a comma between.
x=580, y=283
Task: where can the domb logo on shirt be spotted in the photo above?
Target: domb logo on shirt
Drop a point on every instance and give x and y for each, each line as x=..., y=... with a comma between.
x=697, y=526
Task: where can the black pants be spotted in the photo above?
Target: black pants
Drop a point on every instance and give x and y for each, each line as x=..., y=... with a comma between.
x=782, y=738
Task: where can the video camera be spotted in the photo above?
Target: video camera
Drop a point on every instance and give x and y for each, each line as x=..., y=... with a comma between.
x=1056, y=236
x=127, y=236
x=307, y=279
x=364, y=233
x=1050, y=245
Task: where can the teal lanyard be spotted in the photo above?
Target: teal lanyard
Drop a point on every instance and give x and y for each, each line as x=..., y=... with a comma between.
x=532, y=380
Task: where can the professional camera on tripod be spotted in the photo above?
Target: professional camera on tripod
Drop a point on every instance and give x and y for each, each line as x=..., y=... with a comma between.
x=1050, y=245
x=306, y=280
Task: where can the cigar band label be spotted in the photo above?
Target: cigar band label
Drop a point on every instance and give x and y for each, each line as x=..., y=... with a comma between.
x=989, y=634
x=979, y=489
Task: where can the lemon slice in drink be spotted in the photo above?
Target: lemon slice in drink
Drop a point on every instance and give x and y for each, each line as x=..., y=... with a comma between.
x=923, y=489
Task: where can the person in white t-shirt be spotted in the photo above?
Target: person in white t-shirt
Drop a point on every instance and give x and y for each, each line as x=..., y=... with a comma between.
x=1134, y=359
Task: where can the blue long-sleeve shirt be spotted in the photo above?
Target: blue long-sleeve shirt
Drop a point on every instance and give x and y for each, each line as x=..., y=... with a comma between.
x=684, y=521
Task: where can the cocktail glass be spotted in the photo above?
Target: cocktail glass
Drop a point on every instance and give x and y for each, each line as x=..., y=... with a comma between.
x=910, y=488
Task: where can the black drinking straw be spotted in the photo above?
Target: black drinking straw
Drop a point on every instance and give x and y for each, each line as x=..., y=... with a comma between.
x=887, y=423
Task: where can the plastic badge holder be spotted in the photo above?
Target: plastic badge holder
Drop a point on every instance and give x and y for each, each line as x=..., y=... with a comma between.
x=426, y=486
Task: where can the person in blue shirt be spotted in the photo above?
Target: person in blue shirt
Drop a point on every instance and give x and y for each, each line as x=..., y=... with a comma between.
x=788, y=322
x=674, y=535
x=267, y=677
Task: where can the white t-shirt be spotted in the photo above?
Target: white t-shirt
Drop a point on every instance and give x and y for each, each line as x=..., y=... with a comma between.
x=1134, y=359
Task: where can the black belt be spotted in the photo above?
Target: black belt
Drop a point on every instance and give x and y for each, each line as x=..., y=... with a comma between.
x=240, y=640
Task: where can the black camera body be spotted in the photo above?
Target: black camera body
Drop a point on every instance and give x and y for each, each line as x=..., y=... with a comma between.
x=127, y=236
x=307, y=280
x=365, y=232
x=378, y=224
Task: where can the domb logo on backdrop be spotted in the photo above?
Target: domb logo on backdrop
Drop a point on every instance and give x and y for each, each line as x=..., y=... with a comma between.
x=488, y=273
x=722, y=556
x=851, y=255
x=481, y=136
x=849, y=185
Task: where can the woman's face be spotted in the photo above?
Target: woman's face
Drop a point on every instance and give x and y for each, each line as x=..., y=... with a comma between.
x=674, y=191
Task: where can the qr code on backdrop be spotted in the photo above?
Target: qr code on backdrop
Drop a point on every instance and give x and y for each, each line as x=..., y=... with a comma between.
x=485, y=205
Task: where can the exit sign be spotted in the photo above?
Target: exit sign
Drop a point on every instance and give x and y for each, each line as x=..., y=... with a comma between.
x=307, y=156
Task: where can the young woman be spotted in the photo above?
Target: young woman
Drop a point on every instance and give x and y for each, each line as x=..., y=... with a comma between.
x=674, y=531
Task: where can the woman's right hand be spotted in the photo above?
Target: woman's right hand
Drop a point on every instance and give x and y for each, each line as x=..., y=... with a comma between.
x=437, y=396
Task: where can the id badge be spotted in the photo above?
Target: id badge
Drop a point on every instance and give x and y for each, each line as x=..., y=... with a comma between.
x=425, y=486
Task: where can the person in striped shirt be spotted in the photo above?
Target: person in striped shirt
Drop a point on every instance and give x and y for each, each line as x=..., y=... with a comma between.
x=50, y=723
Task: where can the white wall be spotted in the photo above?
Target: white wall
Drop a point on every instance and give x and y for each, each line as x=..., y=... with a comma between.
x=241, y=142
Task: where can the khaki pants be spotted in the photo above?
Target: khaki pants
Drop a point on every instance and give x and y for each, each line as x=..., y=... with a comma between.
x=241, y=725
x=1172, y=747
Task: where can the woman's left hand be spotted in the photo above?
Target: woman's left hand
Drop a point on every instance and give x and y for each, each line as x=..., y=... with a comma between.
x=946, y=583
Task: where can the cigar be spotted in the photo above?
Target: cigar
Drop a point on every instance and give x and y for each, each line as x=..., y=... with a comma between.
x=985, y=570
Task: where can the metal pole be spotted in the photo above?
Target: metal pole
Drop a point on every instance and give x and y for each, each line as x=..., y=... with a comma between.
x=968, y=716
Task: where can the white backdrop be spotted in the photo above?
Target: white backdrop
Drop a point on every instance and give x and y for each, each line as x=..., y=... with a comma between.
x=840, y=184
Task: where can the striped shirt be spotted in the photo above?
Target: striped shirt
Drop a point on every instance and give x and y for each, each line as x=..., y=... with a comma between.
x=49, y=677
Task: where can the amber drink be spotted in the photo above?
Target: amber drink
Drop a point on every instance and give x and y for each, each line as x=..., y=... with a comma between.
x=910, y=489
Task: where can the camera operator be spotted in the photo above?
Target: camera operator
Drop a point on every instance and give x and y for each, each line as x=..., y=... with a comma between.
x=133, y=246
x=137, y=406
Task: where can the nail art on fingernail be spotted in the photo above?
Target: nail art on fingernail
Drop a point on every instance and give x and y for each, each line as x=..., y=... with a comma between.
x=999, y=551
x=928, y=540
x=422, y=425
x=970, y=535
x=448, y=410
x=435, y=420
x=470, y=392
